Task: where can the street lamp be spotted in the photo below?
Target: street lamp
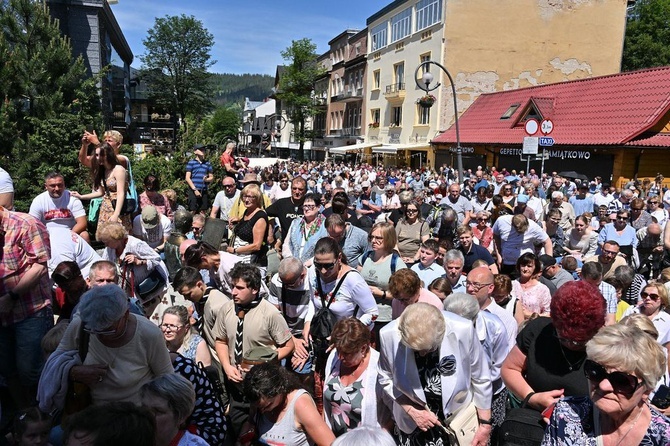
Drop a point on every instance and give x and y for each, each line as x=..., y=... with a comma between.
x=427, y=79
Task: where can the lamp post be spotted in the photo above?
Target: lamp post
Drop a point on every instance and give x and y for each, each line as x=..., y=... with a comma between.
x=427, y=79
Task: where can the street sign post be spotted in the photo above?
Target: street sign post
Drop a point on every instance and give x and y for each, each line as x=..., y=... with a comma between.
x=547, y=126
x=546, y=141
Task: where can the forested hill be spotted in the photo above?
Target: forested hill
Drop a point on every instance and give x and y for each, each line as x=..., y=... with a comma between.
x=233, y=88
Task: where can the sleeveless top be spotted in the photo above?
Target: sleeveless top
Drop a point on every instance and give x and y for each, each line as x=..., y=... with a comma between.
x=244, y=235
x=282, y=432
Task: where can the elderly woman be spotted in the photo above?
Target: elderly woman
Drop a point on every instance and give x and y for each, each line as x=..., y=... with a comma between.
x=482, y=231
x=171, y=399
x=622, y=367
x=407, y=289
x=350, y=394
x=533, y=295
x=305, y=232
x=582, y=241
x=377, y=266
x=653, y=304
x=137, y=262
x=284, y=413
x=180, y=337
x=432, y=365
x=411, y=231
x=548, y=361
x=152, y=197
x=110, y=182
x=125, y=351
x=250, y=232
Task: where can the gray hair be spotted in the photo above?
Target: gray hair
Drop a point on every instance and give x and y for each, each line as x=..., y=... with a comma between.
x=406, y=196
x=102, y=306
x=462, y=304
x=422, y=327
x=630, y=350
x=625, y=275
x=557, y=194
x=364, y=436
x=290, y=266
x=101, y=265
x=176, y=390
x=453, y=255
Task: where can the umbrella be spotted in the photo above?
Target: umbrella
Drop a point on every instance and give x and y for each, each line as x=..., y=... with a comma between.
x=573, y=175
x=512, y=178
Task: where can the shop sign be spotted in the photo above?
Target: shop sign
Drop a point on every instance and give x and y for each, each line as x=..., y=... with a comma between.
x=464, y=150
x=562, y=154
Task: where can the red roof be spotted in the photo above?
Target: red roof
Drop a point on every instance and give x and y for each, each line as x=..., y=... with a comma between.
x=618, y=109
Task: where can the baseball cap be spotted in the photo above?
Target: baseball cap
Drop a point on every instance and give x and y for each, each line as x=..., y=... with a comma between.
x=365, y=184
x=150, y=217
x=547, y=261
x=522, y=198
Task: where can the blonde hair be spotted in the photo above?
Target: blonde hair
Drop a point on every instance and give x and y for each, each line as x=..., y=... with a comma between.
x=661, y=290
x=112, y=231
x=421, y=327
x=115, y=135
x=642, y=322
x=388, y=233
x=253, y=190
x=184, y=318
x=630, y=350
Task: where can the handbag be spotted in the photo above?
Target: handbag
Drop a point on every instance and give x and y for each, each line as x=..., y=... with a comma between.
x=146, y=288
x=462, y=426
x=522, y=426
x=78, y=395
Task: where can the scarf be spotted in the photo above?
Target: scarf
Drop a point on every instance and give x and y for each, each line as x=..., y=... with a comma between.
x=241, y=312
x=316, y=224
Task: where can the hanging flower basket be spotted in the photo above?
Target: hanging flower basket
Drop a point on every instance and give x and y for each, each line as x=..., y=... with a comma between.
x=426, y=101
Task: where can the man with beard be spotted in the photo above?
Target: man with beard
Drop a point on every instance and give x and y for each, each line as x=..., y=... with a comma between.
x=55, y=207
x=460, y=204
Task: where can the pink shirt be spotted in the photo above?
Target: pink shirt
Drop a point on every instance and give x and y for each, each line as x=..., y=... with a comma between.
x=425, y=296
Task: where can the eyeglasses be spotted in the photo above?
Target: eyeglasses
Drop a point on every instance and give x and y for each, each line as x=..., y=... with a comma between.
x=308, y=207
x=476, y=286
x=621, y=382
x=326, y=266
x=653, y=202
x=652, y=296
x=611, y=253
x=482, y=219
x=283, y=181
x=170, y=327
x=622, y=218
x=412, y=211
x=375, y=237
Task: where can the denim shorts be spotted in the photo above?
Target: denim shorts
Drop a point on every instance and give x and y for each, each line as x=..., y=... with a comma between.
x=20, y=347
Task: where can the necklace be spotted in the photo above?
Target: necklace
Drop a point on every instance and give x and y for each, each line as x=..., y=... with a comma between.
x=630, y=428
x=571, y=365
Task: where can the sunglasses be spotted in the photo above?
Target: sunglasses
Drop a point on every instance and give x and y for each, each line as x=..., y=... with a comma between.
x=482, y=219
x=326, y=266
x=621, y=382
x=412, y=211
x=651, y=296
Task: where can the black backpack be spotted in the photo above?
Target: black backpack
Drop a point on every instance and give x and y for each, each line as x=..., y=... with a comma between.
x=322, y=325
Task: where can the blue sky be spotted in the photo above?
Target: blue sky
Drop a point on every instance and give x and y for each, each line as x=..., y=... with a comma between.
x=249, y=35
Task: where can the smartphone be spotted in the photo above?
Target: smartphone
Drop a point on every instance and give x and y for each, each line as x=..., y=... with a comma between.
x=661, y=398
x=89, y=128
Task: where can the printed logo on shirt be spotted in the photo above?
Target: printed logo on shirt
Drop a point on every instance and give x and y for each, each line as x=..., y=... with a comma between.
x=58, y=214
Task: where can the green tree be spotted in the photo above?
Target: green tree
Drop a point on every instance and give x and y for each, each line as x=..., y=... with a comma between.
x=296, y=84
x=224, y=123
x=647, y=35
x=47, y=100
x=176, y=62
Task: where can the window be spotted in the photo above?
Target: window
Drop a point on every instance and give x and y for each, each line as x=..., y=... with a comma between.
x=510, y=111
x=378, y=35
x=401, y=25
x=423, y=114
x=428, y=12
x=399, y=74
x=396, y=116
x=376, y=77
x=375, y=114
x=425, y=68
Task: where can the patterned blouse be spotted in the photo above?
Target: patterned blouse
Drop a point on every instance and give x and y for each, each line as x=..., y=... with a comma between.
x=345, y=401
x=572, y=423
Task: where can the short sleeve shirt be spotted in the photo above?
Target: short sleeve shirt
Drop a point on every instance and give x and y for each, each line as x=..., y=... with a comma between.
x=57, y=212
x=199, y=170
x=514, y=243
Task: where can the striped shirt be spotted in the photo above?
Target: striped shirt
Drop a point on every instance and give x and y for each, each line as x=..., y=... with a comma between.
x=26, y=242
x=298, y=307
x=199, y=170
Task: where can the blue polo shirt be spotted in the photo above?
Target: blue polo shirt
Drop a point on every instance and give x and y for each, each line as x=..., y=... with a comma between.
x=476, y=252
x=199, y=170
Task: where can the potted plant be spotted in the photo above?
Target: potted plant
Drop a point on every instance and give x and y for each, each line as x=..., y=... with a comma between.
x=374, y=125
x=426, y=101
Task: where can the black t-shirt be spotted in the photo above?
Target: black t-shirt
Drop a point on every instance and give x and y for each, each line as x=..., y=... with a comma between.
x=548, y=364
x=476, y=253
x=286, y=211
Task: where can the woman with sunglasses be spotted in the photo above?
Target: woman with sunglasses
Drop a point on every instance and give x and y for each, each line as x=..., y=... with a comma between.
x=250, y=233
x=483, y=232
x=653, y=303
x=306, y=231
x=621, y=232
x=623, y=365
x=180, y=337
x=547, y=361
x=411, y=231
x=656, y=210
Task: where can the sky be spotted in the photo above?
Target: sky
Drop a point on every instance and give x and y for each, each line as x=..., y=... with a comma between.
x=249, y=35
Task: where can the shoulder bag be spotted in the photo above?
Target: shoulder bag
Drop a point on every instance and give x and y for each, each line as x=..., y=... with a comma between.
x=462, y=426
x=522, y=426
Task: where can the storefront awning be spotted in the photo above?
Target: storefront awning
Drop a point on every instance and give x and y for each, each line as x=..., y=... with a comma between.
x=352, y=149
x=392, y=149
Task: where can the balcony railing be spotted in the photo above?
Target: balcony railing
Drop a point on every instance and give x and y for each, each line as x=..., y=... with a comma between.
x=396, y=90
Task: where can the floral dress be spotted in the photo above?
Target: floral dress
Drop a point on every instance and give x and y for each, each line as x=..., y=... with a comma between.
x=107, y=210
x=346, y=403
x=431, y=382
x=573, y=423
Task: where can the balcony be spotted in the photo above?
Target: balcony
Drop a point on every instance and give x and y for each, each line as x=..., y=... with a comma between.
x=352, y=95
x=395, y=91
x=320, y=101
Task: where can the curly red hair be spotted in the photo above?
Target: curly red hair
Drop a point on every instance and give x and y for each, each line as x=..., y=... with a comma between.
x=578, y=310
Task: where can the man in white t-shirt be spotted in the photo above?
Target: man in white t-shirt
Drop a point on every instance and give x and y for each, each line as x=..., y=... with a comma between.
x=152, y=227
x=56, y=208
x=516, y=235
x=6, y=190
x=68, y=245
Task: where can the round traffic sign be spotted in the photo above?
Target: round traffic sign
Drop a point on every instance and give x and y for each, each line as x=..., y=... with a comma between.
x=547, y=126
x=531, y=126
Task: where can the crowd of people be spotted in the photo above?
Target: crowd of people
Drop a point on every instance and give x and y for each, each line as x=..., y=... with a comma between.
x=333, y=303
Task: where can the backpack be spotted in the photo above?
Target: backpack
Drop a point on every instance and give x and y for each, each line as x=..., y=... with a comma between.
x=394, y=259
x=322, y=325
